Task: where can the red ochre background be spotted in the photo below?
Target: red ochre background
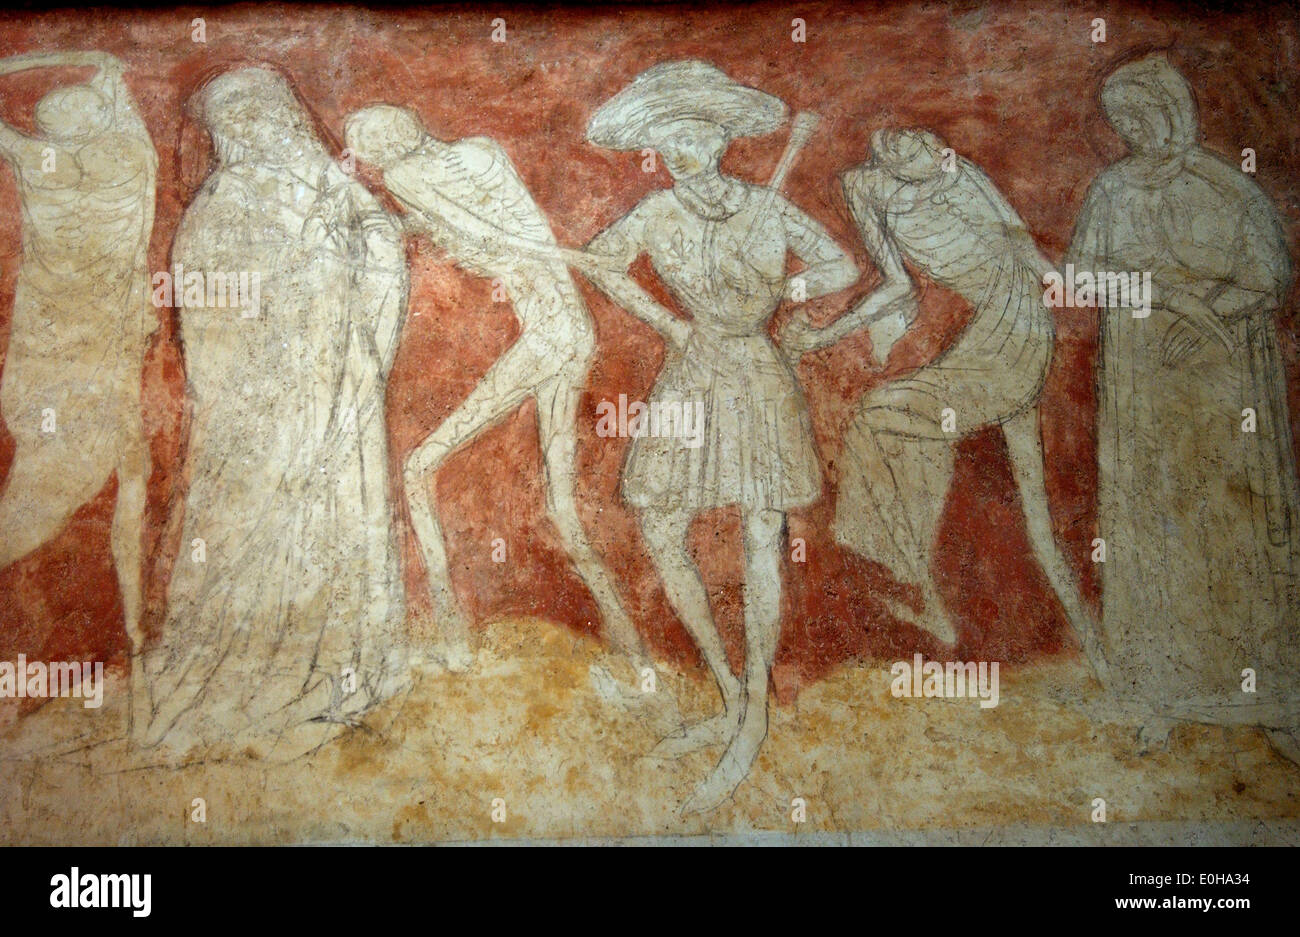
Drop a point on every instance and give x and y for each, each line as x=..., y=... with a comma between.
x=1012, y=87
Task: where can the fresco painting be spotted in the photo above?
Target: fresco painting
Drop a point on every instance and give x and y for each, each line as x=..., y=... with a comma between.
x=578, y=423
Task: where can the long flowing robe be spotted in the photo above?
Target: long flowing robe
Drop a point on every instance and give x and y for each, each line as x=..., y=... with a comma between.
x=292, y=623
x=1200, y=517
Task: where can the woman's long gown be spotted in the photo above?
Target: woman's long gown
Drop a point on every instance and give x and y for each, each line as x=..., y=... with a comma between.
x=293, y=621
x=1201, y=520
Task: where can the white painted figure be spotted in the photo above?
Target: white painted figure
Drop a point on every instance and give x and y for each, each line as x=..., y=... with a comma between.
x=721, y=247
x=960, y=233
x=1198, y=501
x=292, y=622
x=82, y=316
x=469, y=200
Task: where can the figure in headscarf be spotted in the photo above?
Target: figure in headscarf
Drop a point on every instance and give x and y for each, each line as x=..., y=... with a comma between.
x=290, y=622
x=81, y=315
x=917, y=200
x=720, y=246
x=466, y=196
x=1199, y=507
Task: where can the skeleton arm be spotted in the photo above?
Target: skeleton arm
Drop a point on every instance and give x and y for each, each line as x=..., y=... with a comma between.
x=383, y=284
x=829, y=268
x=896, y=295
x=381, y=278
x=108, y=82
x=17, y=146
x=21, y=63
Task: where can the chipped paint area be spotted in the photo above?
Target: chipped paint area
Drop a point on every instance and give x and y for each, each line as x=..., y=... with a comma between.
x=529, y=724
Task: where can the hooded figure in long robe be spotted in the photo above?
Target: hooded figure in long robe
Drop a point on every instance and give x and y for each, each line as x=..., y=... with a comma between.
x=1199, y=507
x=286, y=608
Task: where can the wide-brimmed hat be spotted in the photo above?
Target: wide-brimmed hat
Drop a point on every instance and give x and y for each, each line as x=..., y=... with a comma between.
x=689, y=90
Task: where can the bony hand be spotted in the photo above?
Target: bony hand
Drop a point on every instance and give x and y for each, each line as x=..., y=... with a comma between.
x=317, y=232
x=381, y=238
x=379, y=223
x=798, y=337
x=885, y=331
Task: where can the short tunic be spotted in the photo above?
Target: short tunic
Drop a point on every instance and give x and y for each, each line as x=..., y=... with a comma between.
x=755, y=445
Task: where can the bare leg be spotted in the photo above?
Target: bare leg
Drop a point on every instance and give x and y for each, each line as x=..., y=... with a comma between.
x=557, y=414
x=929, y=466
x=763, y=534
x=51, y=477
x=128, y=528
x=1027, y=463
x=665, y=532
x=504, y=387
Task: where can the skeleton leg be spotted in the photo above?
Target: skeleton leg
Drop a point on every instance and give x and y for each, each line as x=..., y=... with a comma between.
x=31, y=510
x=505, y=386
x=128, y=528
x=1027, y=463
x=557, y=414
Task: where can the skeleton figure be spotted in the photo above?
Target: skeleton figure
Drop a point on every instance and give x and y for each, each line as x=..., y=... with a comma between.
x=1199, y=504
x=286, y=619
x=721, y=247
x=898, y=456
x=468, y=198
x=81, y=317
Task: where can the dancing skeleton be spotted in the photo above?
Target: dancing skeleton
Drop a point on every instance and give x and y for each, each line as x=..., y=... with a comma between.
x=469, y=200
x=81, y=315
x=948, y=220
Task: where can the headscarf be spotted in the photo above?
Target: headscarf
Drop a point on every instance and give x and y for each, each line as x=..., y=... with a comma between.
x=252, y=114
x=1155, y=94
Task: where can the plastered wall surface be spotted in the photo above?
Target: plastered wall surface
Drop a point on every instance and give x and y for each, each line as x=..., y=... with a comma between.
x=577, y=423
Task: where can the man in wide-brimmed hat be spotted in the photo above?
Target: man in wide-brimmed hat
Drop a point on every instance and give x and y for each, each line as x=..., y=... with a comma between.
x=720, y=246
x=672, y=91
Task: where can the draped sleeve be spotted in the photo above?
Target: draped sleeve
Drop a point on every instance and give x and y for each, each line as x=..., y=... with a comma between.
x=1090, y=244
x=1264, y=263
